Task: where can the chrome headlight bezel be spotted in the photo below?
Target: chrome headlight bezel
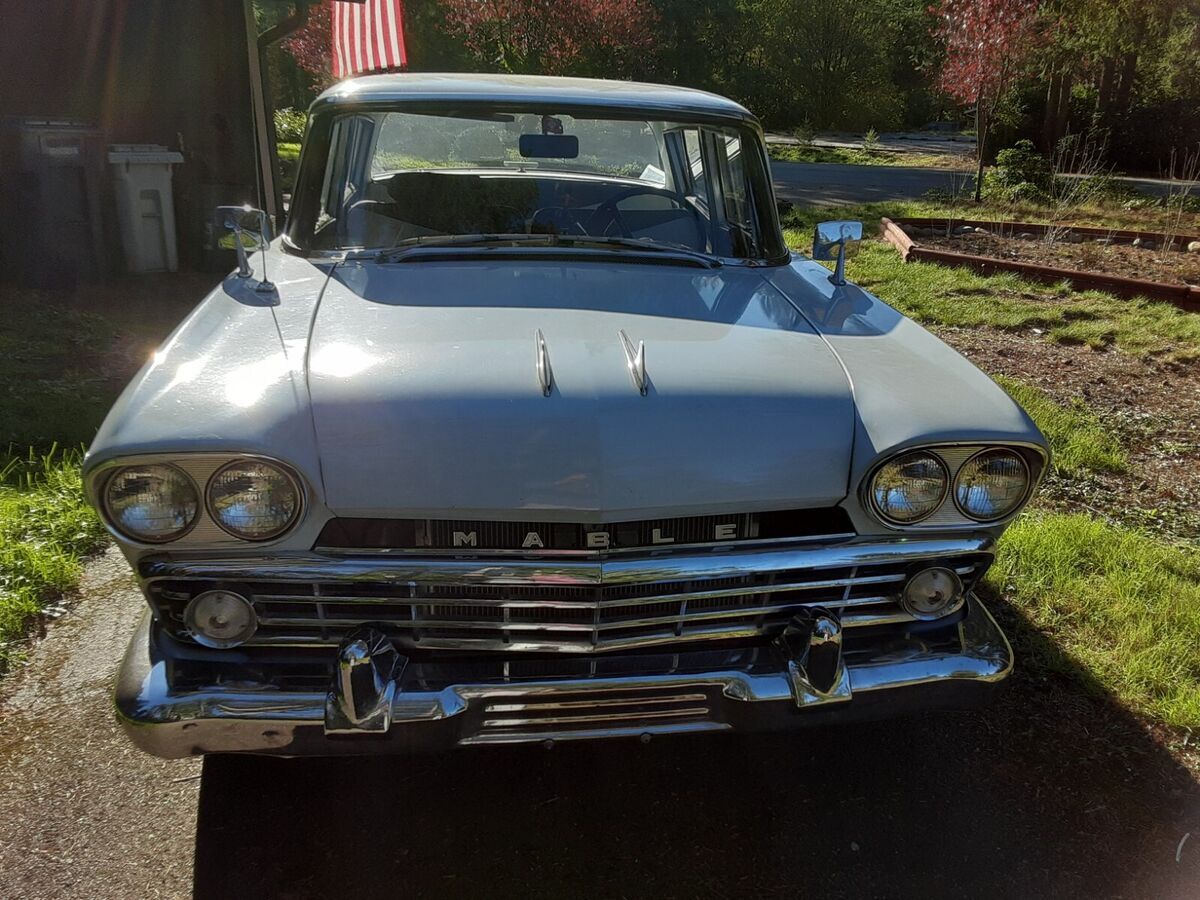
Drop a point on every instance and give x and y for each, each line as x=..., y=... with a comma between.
x=113, y=521
x=1016, y=507
x=285, y=471
x=955, y=455
x=878, y=469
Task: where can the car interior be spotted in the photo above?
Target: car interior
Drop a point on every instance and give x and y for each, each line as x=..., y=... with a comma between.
x=381, y=190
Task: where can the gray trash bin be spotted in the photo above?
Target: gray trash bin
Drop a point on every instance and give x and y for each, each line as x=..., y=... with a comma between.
x=51, y=172
x=145, y=205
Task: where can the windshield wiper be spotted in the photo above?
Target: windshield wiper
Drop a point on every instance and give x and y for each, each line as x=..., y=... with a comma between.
x=704, y=259
x=399, y=248
x=409, y=245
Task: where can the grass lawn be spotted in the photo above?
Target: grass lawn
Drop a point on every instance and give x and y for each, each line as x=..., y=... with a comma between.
x=1121, y=604
x=289, y=160
x=809, y=153
x=45, y=529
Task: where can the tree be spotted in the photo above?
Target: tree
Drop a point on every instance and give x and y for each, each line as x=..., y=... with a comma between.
x=311, y=45
x=987, y=45
x=556, y=37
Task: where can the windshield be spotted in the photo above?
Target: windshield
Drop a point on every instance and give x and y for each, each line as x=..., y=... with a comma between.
x=387, y=179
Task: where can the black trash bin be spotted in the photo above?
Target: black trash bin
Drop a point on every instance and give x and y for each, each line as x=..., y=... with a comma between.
x=51, y=219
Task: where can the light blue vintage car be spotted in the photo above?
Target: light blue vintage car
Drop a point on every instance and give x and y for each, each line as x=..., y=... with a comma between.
x=530, y=428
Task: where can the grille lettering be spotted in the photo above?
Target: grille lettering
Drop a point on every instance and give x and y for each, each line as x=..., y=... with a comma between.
x=466, y=539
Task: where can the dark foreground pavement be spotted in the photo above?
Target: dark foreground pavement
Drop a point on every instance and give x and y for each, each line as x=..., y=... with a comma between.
x=1031, y=798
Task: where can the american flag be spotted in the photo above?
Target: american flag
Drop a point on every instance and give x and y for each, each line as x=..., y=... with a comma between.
x=367, y=37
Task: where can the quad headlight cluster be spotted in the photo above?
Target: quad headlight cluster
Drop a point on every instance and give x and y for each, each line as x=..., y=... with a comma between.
x=987, y=487
x=251, y=499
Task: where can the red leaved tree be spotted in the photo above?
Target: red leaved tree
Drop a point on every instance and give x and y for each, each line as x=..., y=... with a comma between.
x=311, y=45
x=555, y=37
x=987, y=44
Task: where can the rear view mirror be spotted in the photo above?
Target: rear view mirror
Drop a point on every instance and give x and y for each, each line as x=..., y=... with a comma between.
x=549, y=146
x=837, y=240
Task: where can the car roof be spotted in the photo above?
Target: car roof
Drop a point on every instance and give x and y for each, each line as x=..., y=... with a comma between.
x=531, y=90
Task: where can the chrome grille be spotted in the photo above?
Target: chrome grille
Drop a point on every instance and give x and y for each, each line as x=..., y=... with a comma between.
x=569, y=617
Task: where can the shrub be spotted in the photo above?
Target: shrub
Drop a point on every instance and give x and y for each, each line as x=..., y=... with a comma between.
x=289, y=125
x=1021, y=174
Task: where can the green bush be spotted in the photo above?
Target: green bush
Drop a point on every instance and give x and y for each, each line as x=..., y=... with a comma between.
x=1021, y=174
x=289, y=125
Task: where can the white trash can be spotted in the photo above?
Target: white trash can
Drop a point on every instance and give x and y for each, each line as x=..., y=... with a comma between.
x=145, y=205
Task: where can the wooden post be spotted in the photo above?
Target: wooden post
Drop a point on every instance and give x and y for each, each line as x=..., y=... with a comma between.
x=263, y=129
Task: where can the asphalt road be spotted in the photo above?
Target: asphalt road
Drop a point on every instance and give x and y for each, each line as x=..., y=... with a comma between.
x=827, y=184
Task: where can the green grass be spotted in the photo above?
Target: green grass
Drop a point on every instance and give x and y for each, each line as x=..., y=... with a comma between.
x=45, y=528
x=1124, y=606
x=1079, y=442
x=943, y=295
x=50, y=389
x=289, y=161
x=809, y=153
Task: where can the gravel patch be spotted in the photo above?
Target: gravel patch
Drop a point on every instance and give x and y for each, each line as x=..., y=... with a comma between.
x=82, y=812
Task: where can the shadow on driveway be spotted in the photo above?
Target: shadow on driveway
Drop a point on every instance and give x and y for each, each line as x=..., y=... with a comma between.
x=1049, y=792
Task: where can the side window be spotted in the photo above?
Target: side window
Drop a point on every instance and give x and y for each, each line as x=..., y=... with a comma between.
x=739, y=209
x=695, y=162
x=345, y=171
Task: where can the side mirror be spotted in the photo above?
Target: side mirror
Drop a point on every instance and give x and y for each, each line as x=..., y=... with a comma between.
x=837, y=240
x=245, y=229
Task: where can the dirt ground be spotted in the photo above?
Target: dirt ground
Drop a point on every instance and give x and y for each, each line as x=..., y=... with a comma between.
x=1170, y=267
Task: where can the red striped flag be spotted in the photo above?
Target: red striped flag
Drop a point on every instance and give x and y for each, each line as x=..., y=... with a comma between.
x=367, y=37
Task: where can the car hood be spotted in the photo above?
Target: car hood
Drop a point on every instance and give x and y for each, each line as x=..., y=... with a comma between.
x=426, y=398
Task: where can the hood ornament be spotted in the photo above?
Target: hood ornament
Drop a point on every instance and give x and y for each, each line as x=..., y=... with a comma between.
x=636, y=359
x=544, y=373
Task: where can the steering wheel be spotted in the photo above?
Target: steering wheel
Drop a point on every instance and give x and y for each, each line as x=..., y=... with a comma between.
x=612, y=214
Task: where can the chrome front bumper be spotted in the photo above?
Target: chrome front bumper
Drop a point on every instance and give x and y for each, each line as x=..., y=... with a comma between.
x=378, y=703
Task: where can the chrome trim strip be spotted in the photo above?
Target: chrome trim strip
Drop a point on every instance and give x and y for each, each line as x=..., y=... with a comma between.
x=545, y=374
x=593, y=704
x=636, y=360
x=566, y=573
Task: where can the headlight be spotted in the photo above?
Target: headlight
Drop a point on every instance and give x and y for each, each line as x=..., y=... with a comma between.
x=909, y=487
x=991, y=484
x=253, y=500
x=151, y=504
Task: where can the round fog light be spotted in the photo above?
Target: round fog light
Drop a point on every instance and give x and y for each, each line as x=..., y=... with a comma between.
x=932, y=593
x=220, y=619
